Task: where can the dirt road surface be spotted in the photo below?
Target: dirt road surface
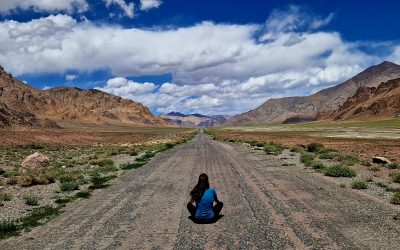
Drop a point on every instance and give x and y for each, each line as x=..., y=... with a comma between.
x=267, y=206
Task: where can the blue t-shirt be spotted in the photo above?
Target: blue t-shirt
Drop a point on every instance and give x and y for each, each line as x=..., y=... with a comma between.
x=204, y=207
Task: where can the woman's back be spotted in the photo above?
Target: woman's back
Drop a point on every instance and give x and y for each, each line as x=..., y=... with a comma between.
x=204, y=206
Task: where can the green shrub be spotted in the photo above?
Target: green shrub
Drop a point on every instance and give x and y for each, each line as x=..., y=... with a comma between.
x=396, y=177
x=316, y=164
x=348, y=160
x=133, y=165
x=169, y=145
x=63, y=200
x=297, y=149
x=340, y=171
x=75, y=176
x=31, y=200
x=7, y=227
x=98, y=181
x=314, y=147
x=396, y=216
x=359, y=184
x=83, y=194
x=5, y=197
x=273, y=148
x=366, y=163
x=329, y=155
x=69, y=186
x=306, y=158
x=393, y=166
x=395, y=198
x=10, y=173
x=102, y=162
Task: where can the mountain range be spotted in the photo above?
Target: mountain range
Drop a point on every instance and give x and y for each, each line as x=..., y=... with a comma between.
x=24, y=106
x=323, y=105
x=193, y=120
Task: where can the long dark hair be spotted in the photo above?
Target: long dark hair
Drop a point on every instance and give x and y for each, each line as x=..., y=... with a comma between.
x=201, y=187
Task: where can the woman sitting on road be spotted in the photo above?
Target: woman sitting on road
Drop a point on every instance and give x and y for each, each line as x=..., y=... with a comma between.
x=204, y=196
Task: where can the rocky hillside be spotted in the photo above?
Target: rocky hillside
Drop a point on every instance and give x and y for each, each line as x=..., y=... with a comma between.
x=193, y=120
x=98, y=107
x=370, y=103
x=320, y=105
x=24, y=106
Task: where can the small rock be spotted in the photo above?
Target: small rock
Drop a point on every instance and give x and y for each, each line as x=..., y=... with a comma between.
x=35, y=162
x=63, y=166
x=380, y=160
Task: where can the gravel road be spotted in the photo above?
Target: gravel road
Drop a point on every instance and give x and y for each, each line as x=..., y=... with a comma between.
x=266, y=206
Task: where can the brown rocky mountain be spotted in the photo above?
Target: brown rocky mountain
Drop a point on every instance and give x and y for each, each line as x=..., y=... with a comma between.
x=96, y=106
x=370, y=103
x=22, y=105
x=193, y=120
x=320, y=105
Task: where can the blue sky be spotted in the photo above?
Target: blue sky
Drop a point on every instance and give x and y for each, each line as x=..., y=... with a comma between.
x=212, y=57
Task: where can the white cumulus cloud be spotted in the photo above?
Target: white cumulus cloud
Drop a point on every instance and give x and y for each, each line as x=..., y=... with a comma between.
x=216, y=68
x=128, y=8
x=70, y=6
x=149, y=4
x=70, y=77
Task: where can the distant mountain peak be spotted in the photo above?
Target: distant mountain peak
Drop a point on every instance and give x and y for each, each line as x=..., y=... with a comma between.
x=198, y=115
x=173, y=113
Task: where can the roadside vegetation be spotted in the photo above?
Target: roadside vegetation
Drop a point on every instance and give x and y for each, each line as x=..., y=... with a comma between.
x=74, y=173
x=329, y=161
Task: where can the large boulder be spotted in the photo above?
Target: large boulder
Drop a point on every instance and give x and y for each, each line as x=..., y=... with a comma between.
x=35, y=162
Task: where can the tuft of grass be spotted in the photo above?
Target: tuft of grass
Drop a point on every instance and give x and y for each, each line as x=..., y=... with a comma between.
x=395, y=198
x=348, y=160
x=393, y=166
x=396, y=216
x=31, y=200
x=340, y=171
x=10, y=173
x=306, y=158
x=314, y=147
x=83, y=194
x=316, y=164
x=75, y=176
x=342, y=185
x=102, y=162
x=133, y=165
x=273, y=148
x=99, y=181
x=359, y=184
x=8, y=228
x=40, y=216
x=365, y=162
x=396, y=177
x=64, y=200
x=297, y=149
x=329, y=155
x=69, y=186
x=5, y=197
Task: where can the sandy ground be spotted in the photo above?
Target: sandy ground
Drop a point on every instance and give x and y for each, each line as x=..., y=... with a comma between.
x=267, y=206
x=365, y=148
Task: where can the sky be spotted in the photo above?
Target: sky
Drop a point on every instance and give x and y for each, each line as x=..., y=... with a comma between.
x=209, y=56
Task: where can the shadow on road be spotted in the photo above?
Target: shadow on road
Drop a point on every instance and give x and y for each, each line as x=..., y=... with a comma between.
x=206, y=222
